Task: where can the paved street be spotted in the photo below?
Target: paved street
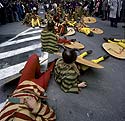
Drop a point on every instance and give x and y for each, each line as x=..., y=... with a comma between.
x=102, y=100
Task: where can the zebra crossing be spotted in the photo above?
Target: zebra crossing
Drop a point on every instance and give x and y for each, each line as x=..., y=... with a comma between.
x=15, y=52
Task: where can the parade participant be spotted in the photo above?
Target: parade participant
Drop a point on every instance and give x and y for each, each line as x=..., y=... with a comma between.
x=27, y=19
x=25, y=103
x=60, y=25
x=49, y=39
x=35, y=20
x=84, y=29
x=32, y=19
x=67, y=71
x=72, y=22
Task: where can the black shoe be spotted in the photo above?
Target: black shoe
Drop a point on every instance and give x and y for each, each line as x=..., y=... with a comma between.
x=73, y=40
x=106, y=56
x=106, y=39
x=91, y=34
x=89, y=51
x=112, y=39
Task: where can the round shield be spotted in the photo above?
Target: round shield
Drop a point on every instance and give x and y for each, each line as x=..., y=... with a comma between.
x=88, y=62
x=89, y=20
x=114, y=50
x=75, y=44
x=70, y=31
x=96, y=30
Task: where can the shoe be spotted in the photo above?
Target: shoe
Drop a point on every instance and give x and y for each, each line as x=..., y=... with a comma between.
x=73, y=40
x=112, y=39
x=106, y=39
x=106, y=56
x=89, y=51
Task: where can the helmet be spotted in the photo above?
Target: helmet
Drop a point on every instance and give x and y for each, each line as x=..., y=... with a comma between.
x=69, y=55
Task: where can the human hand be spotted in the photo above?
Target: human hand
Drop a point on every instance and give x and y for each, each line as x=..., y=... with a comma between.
x=82, y=84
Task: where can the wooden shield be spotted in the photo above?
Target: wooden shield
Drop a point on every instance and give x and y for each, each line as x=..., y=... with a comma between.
x=70, y=31
x=89, y=20
x=85, y=62
x=96, y=30
x=114, y=50
x=75, y=44
x=88, y=62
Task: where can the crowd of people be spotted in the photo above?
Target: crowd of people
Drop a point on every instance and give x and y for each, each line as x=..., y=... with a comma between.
x=105, y=9
x=15, y=10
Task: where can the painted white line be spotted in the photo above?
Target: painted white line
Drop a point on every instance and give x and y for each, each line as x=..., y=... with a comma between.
x=20, y=41
x=33, y=32
x=19, y=34
x=19, y=51
x=2, y=104
x=12, y=70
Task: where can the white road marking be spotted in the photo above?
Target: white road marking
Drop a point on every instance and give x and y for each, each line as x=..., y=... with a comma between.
x=33, y=32
x=12, y=70
x=19, y=34
x=20, y=41
x=19, y=51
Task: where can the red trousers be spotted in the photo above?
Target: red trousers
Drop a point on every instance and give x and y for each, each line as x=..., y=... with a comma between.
x=32, y=72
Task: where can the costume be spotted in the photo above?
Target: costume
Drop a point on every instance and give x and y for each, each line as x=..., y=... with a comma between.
x=35, y=21
x=67, y=70
x=49, y=41
x=67, y=76
x=32, y=85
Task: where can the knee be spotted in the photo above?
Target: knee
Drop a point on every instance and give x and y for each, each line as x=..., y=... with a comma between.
x=34, y=56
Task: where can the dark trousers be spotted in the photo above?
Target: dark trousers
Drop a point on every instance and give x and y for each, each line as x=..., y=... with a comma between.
x=113, y=22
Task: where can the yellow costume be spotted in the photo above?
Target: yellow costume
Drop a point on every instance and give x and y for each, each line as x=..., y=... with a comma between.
x=35, y=21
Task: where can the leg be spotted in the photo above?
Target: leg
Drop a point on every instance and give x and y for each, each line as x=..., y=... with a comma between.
x=111, y=22
x=33, y=22
x=98, y=60
x=38, y=22
x=45, y=77
x=31, y=69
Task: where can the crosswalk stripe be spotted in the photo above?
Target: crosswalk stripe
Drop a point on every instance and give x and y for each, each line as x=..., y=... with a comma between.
x=20, y=34
x=33, y=32
x=19, y=51
x=21, y=38
x=12, y=70
x=20, y=41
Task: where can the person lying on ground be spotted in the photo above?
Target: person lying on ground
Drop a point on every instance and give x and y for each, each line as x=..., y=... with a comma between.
x=25, y=103
x=67, y=71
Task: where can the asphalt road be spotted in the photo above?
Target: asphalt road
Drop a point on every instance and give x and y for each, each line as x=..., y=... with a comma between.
x=104, y=97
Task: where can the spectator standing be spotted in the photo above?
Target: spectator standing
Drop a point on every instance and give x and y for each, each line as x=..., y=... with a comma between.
x=114, y=15
x=104, y=9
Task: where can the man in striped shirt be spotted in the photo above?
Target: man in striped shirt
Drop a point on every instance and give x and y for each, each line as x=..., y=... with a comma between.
x=25, y=103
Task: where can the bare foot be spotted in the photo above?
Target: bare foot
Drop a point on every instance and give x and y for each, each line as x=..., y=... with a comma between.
x=82, y=84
